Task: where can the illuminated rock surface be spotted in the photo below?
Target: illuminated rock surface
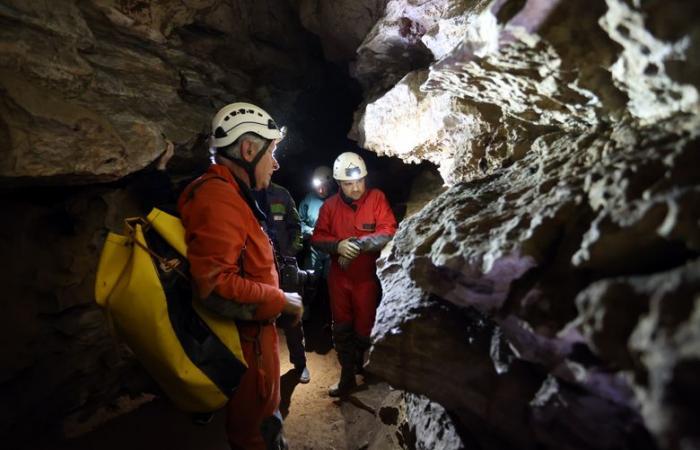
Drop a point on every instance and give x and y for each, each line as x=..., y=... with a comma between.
x=548, y=296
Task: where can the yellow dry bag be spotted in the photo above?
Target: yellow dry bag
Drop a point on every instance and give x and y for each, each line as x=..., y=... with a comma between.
x=142, y=283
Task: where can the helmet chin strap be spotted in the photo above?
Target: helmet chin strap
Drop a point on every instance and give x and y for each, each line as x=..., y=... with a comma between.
x=249, y=167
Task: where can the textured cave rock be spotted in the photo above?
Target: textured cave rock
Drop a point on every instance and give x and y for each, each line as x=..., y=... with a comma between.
x=550, y=65
x=88, y=88
x=413, y=421
x=520, y=247
x=648, y=325
x=571, y=148
x=379, y=417
x=59, y=358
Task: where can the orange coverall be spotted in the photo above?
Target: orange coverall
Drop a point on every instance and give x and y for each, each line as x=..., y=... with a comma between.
x=220, y=226
x=354, y=291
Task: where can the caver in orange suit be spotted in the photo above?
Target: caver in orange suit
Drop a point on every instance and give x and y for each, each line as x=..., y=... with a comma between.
x=222, y=230
x=353, y=290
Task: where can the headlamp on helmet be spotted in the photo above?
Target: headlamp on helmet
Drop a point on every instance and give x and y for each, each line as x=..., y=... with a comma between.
x=349, y=166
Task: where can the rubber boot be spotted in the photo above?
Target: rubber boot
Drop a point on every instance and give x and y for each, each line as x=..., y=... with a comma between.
x=344, y=340
x=362, y=344
x=346, y=384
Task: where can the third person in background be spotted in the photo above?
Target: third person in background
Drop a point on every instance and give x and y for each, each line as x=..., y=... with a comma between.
x=284, y=228
x=353, y=226
x=314, y=259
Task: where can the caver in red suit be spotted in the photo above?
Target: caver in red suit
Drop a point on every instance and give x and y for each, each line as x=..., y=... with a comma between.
x=233, y=267
x=363, y=218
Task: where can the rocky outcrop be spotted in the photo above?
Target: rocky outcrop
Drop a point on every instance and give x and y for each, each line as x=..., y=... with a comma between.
x=89, y=89
x=569, y=228
x=379, y=417
x=473, y=109
x=648, y=325
x=507, y=250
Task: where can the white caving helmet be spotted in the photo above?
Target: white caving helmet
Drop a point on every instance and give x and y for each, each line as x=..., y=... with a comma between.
x=235, y=119
x=321, y=175
x=349, y=166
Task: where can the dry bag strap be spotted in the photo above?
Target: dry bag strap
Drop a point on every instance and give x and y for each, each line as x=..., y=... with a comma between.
x=190, y=195
x=165, y=264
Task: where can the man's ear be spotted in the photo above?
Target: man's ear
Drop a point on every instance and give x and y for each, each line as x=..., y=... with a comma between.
x=247, y=150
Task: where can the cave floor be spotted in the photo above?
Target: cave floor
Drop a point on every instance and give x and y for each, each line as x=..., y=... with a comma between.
x=313, y=420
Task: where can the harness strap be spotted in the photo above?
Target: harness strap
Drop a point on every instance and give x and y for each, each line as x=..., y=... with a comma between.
x=199, y=183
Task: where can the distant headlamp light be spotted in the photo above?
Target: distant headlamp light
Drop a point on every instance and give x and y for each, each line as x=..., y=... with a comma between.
x=316, y=182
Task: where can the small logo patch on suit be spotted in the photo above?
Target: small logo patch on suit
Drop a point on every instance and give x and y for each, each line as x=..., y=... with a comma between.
x=278, y=217
x=369, y=226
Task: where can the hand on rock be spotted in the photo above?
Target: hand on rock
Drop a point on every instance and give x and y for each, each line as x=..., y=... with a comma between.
x=167, y=154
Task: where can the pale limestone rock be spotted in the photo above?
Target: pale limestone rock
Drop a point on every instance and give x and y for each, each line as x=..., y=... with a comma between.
x=505, y=245
x=529, y=84
x=393, y=47
x=665, y=346
x=648, y=325
x=479, y=30
x=640, y=71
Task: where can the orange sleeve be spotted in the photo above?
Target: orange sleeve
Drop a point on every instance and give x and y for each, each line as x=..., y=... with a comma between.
x=217, y=228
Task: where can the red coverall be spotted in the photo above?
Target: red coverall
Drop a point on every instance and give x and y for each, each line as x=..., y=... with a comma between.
x=354, y=292
x=219, y=225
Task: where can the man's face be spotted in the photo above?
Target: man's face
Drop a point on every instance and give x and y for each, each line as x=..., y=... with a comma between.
x=323, y=190
x=353, y=189
x=265, y=167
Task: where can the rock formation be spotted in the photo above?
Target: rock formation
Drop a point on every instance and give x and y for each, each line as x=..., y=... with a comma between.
x=90, y=88
x=569, y=138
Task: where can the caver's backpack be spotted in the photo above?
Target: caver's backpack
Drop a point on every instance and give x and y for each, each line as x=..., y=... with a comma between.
x=143, y=284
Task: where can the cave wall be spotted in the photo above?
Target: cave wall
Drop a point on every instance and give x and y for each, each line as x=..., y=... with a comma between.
x=548, y=298
x=90, y=88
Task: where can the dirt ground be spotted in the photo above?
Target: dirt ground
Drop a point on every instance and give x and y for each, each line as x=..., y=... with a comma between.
x=313, y=419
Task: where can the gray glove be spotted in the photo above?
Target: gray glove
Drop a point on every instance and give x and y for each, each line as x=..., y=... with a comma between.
x=347, y=248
